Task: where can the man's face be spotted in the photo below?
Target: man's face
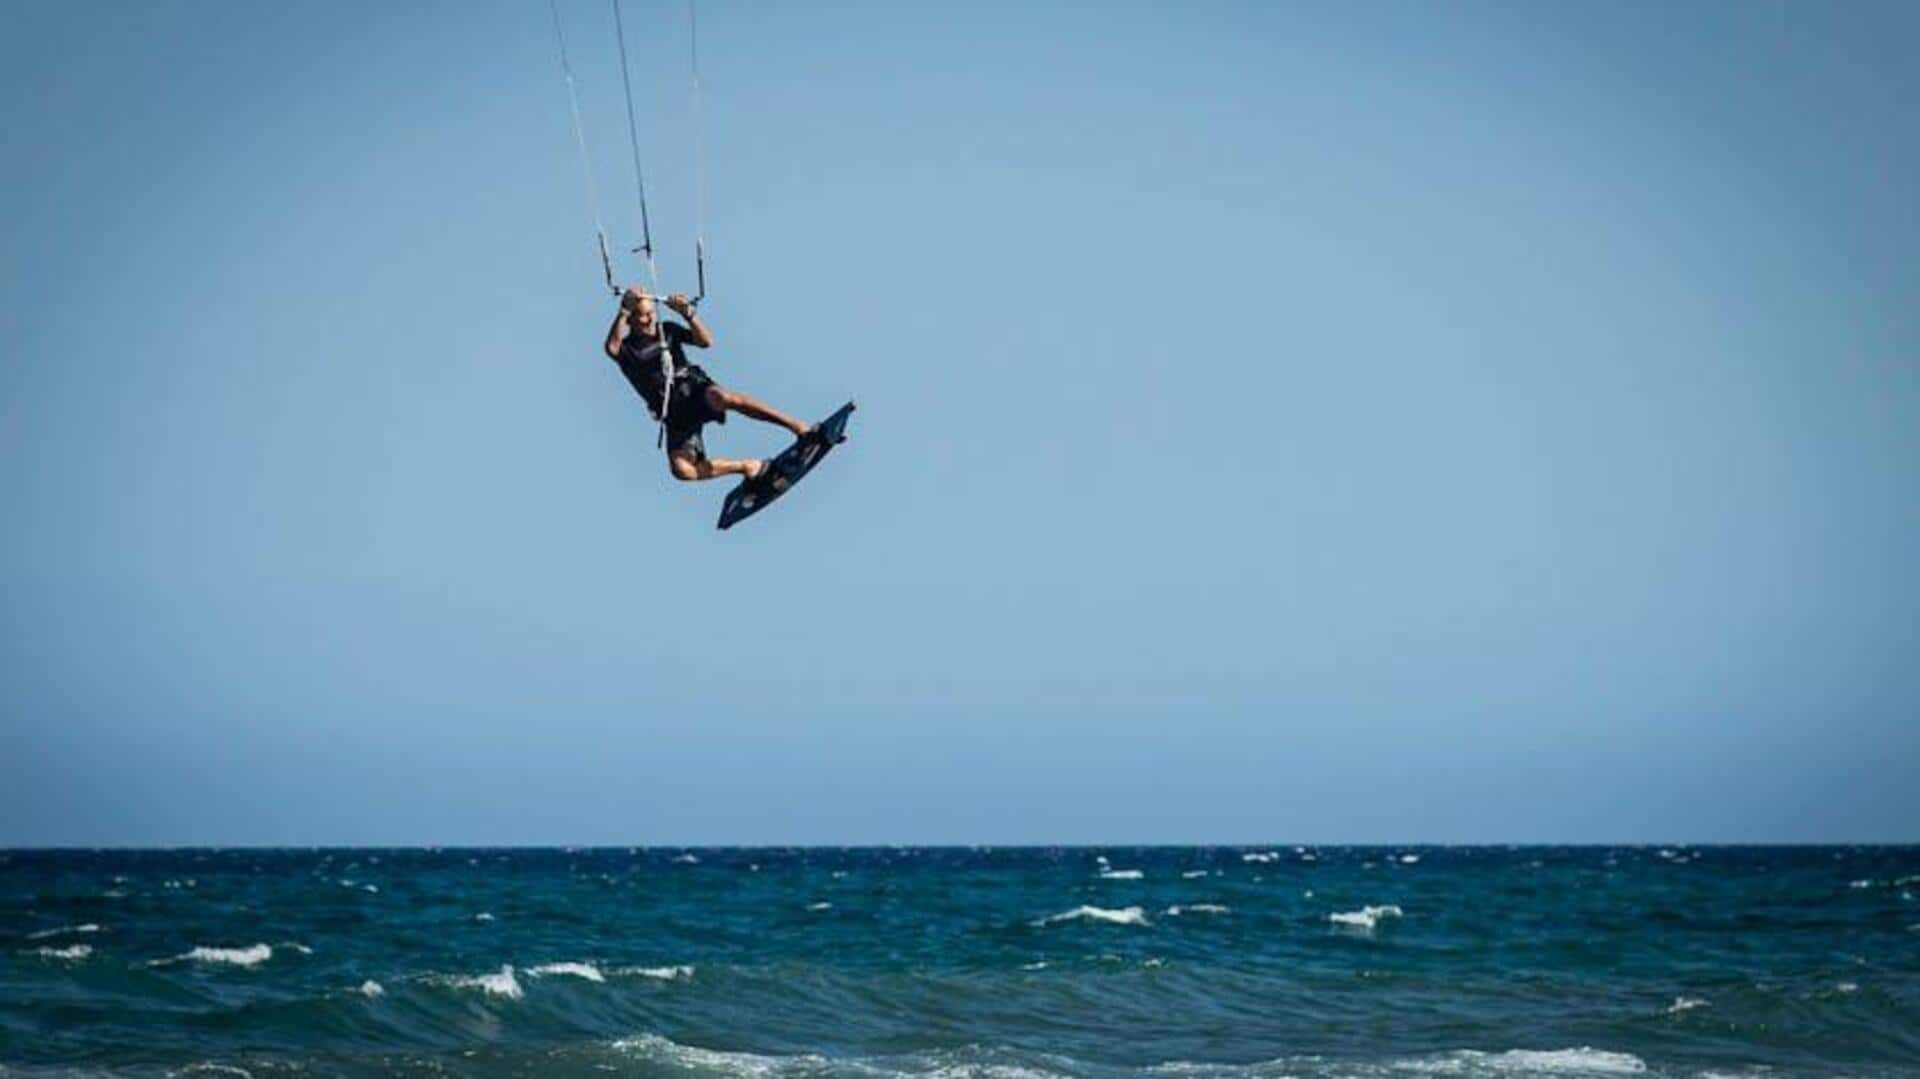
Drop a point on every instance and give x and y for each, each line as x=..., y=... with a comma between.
x=643, y=311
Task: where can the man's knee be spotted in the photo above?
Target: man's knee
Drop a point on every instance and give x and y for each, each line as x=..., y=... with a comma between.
x=722, y=400
x=683, y=468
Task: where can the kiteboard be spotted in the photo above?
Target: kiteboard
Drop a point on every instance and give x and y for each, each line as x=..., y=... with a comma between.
x=785, y=469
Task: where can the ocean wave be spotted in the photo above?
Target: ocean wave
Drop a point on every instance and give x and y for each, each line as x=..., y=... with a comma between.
x=1260, y=857
x=1122, y=916
x=658, y=974
x=1686, y=1004
x=1193, y=874
x=573, y=970
x=249, y=957
x=1122, y=874
x=1583, y=1061
x=63, y=931
x=966, y=1063
x=820, y=906
x=371, y=989
x=1366, y=917
x=1196, y=908
x=502, y=983
x=72, y=953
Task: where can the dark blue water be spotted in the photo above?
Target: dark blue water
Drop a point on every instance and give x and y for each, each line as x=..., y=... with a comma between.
x=953, y=962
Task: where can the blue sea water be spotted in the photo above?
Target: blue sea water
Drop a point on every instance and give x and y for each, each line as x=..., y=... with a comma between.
x=1214, y=963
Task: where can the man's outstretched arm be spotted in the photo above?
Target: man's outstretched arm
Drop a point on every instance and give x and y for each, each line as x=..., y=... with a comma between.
x=617, y=333
x=697, y=333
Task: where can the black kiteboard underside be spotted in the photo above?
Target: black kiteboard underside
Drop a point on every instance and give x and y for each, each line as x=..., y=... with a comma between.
x=786, y=469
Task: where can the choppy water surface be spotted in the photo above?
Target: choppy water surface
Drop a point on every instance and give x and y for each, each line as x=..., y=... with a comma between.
x=1090, y=962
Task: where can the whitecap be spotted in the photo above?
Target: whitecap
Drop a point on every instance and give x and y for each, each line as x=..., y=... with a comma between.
x=1123, y=916
x=301, y=948
x=501, y=984
x=1122, y=874
x=63, y=930
x=577, y=970
x=1409, y=859
x=1042, y=965
x=1193, y=874
x=1686, y=1004
x=1583, y=1061
x=1858, y=884
x=369, y=887
x=684, y=859
x=371, y=989
x=658, y=974
x=1366, y=917
x=1196, y=908
x=251, y=956
x=698, y=1061
x=1259, y=856
x=1848, y=987
x=73, y=953
x=483, y=916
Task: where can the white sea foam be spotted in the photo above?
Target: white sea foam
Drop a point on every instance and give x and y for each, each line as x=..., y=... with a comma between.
x=501, y=984
x=214, y=1069
x=658, y=974
x=1686, y=1004
x=1848, y=987
x=820, y=906
x=1196, y=908
x=1409, y=859
x=1122, y=874
x=301, y=948
x=71, y=953
x=656, y=1053
x=1857, y=884
x=1366, y=917
x=1123, y=916
x=483, y=916
x=1042, y=965
x=1193, y=874
x=371, y=989
x=63, y=931
x=1583, y=1061
x=1260, y=856
x=1309, y=858
x=576, y=970
x=251, y=956
x=684, y=859
x=653, y=1047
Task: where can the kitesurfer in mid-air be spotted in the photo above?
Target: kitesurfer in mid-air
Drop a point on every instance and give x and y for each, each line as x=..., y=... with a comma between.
x=695, y=400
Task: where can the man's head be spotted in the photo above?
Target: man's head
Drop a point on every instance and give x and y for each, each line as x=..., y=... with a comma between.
x=640, y=308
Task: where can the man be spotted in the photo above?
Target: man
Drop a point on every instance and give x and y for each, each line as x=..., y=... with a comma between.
x=694, y=400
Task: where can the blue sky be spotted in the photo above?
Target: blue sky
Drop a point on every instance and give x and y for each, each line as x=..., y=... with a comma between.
x=1315, y=422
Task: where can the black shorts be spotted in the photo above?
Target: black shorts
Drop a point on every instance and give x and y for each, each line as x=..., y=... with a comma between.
x=690, y=411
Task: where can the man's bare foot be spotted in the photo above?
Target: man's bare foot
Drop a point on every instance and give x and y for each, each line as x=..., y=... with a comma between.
x=756, y=469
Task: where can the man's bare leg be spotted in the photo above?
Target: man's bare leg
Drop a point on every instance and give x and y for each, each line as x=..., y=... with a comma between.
x=686, y=466
x=747, y=406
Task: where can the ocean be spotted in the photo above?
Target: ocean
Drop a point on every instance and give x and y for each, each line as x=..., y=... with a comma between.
x=1017, y=963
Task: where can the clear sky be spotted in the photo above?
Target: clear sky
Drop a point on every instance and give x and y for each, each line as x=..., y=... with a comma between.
x=1278, y=422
